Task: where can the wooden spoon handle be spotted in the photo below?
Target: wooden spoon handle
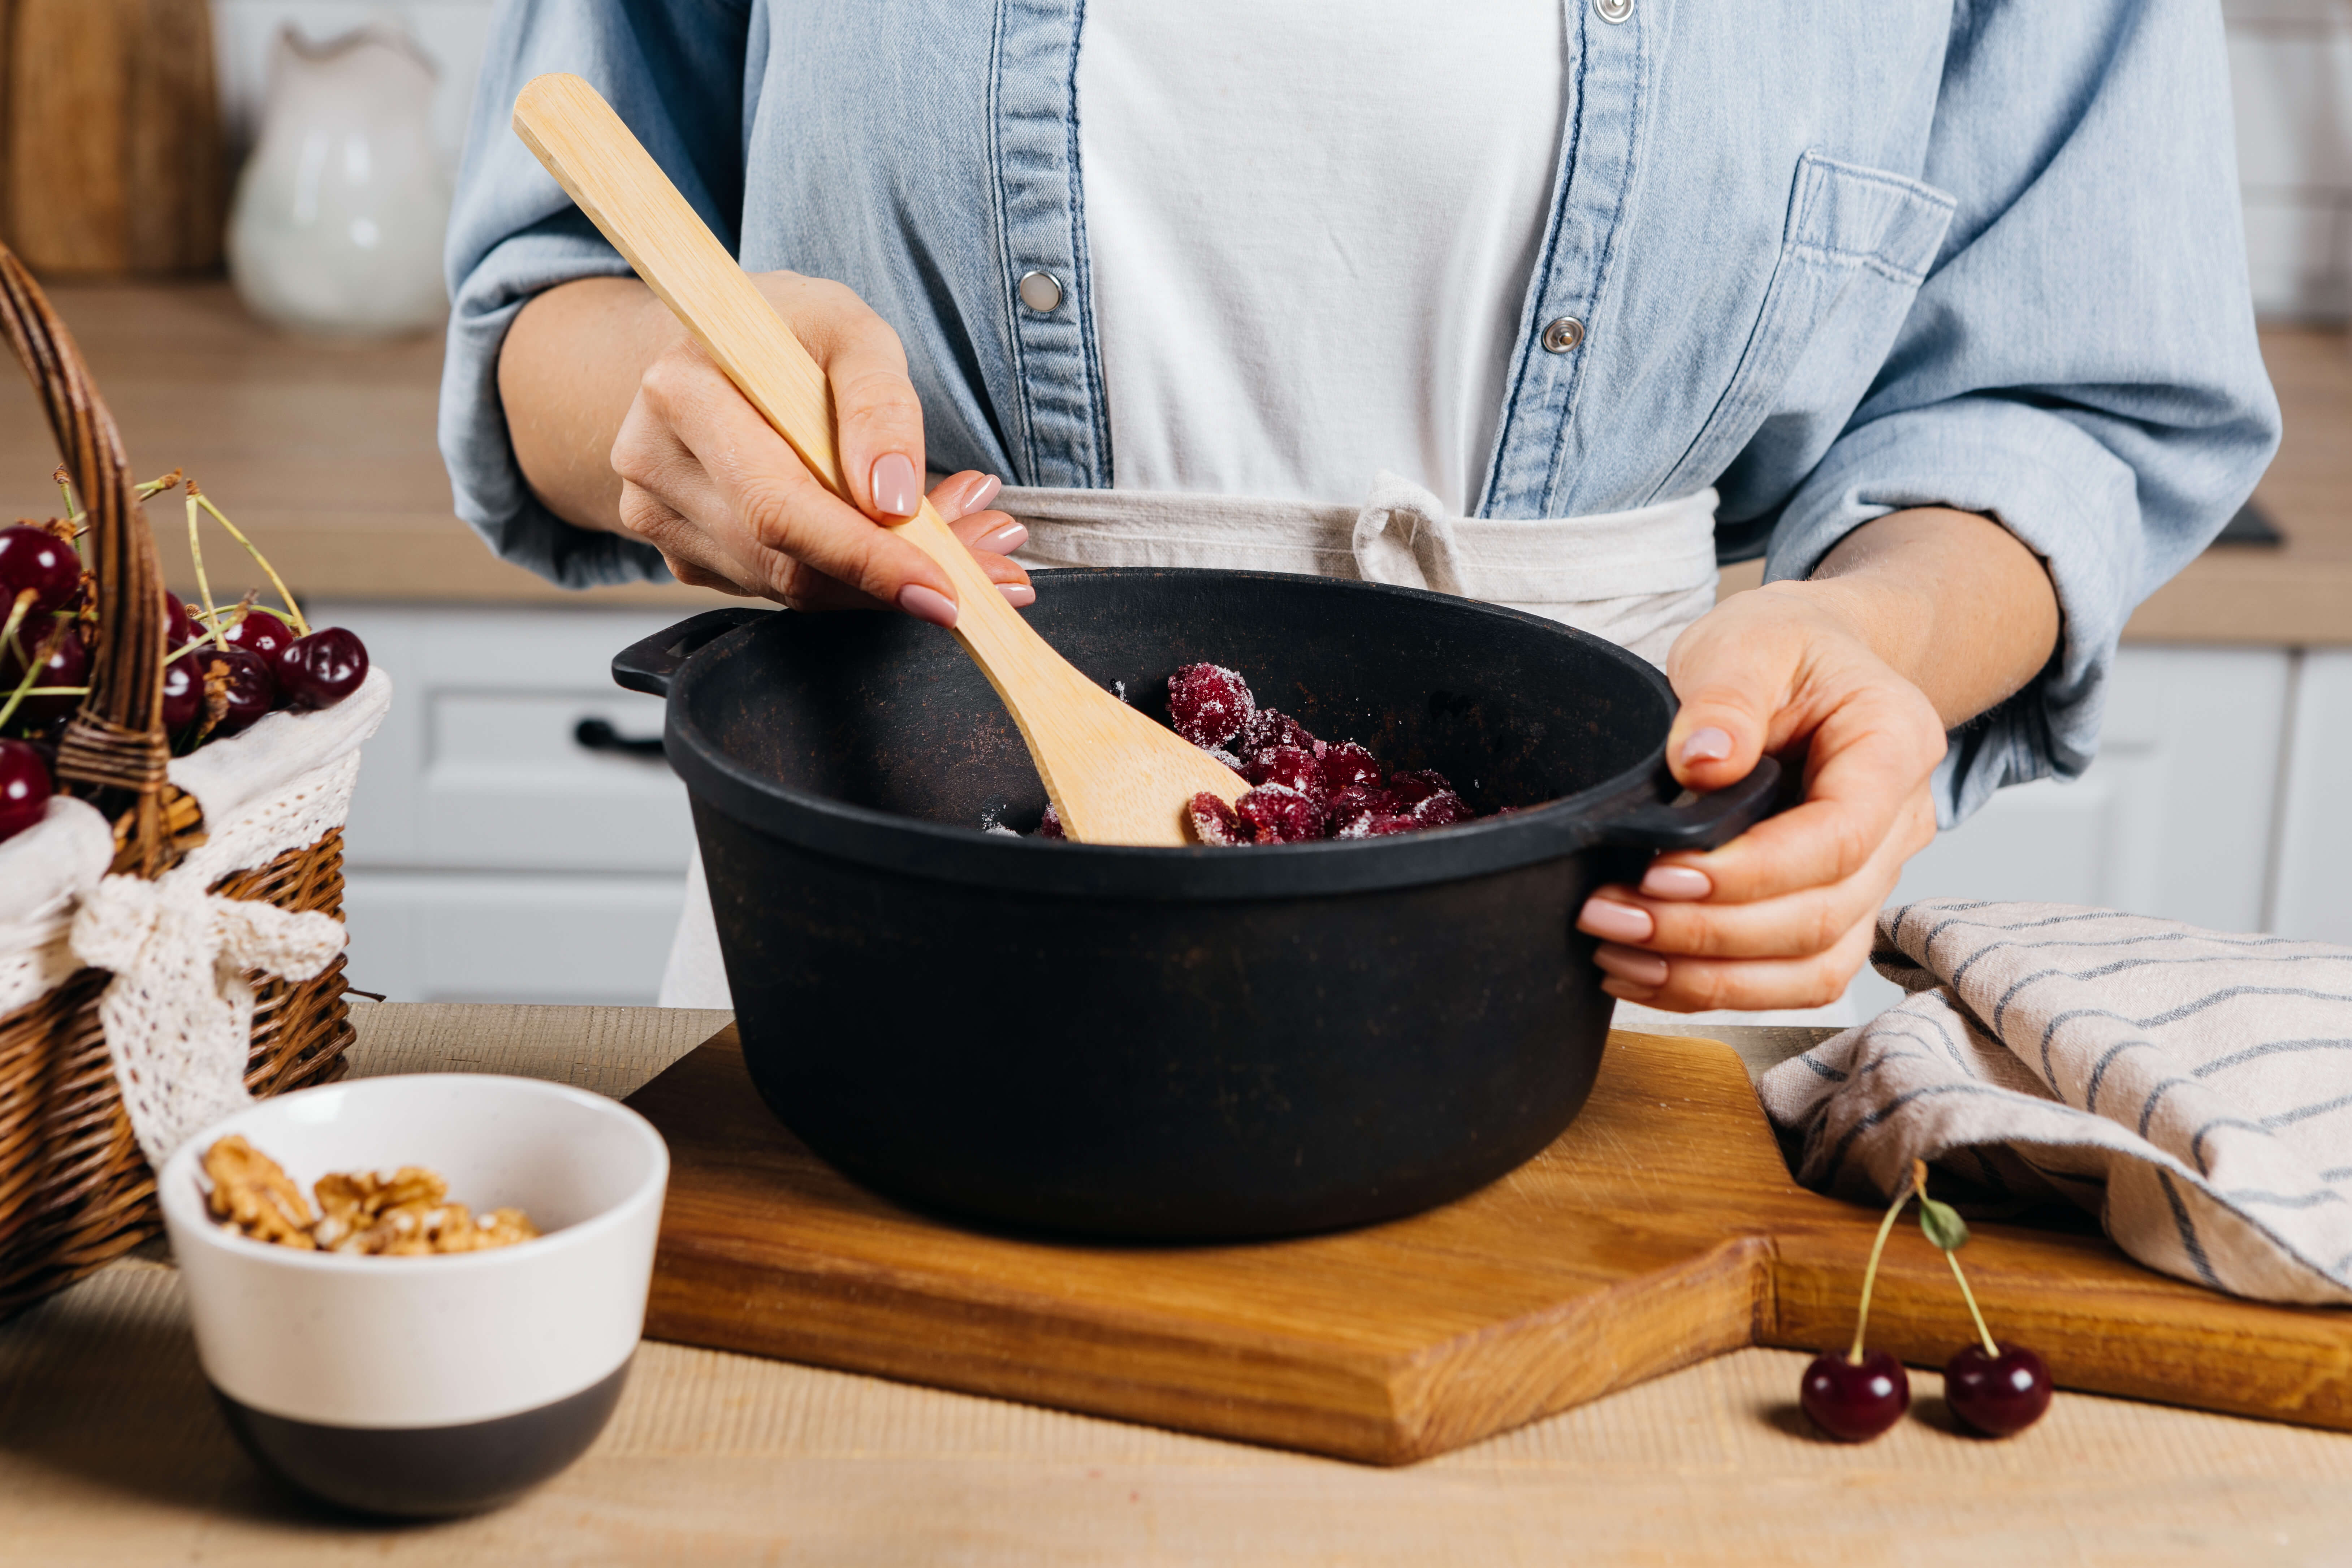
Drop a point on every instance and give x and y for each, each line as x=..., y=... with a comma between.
x=624, y=192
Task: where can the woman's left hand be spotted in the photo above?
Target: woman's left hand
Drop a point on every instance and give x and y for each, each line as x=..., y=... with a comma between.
x=1782, y=916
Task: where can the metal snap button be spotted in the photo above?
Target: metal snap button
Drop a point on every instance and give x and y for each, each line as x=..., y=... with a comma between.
x=1614, y=10
x=1041, y=292
x=1563, y=334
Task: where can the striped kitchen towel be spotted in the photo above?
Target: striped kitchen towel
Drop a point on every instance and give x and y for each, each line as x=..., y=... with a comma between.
x=2191, y=1089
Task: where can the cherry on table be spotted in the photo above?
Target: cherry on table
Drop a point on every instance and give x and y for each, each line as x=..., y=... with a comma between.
x=1997, y=1394
x=321, y=669
x=36, y=559
x=1855, y=1401
x=25, y=787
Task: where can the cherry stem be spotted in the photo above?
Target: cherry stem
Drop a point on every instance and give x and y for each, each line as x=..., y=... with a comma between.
x=25, y=686
x=64, y=488
x=204, y=588
x=1969, y=1296
x=16, y=614
x=1870, y=1274
x=301, y=627
x=156, y=487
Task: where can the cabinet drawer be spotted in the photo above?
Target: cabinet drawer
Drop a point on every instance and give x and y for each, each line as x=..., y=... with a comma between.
x=477, y=766
x=436, y=936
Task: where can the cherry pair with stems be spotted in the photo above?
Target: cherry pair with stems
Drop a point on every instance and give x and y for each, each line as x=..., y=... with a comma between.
x=1997, y=1388
x=249, y=661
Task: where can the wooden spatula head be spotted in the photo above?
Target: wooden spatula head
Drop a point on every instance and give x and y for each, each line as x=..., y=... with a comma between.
x=1114, y=776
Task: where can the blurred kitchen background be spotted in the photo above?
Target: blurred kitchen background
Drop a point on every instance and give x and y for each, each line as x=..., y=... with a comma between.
x=514, y=840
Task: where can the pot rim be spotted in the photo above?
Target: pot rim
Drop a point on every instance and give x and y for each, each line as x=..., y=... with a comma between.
x=1192, y=873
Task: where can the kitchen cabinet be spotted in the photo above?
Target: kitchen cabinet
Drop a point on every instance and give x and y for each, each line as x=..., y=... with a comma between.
x=2177, y=816
x=2313, y=879
x=489, y=855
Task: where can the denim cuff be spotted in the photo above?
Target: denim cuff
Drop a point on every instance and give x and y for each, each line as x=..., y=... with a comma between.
x=2070, y=500
x=487, y=482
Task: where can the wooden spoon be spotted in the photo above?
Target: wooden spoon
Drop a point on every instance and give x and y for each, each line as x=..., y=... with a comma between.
x=1114, y=776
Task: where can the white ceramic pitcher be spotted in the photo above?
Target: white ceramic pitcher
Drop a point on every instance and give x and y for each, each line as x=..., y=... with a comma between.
x=340, y=209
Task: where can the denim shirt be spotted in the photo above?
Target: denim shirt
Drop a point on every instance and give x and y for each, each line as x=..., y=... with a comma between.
x=1835, y=260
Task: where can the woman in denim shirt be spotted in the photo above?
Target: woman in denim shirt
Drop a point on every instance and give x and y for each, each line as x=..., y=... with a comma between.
x=1940, y=305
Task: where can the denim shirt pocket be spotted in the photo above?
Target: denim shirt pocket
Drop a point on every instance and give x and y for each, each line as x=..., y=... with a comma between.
x=1857, y=247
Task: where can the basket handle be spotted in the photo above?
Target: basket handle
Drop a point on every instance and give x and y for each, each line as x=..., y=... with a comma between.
x=116, y=740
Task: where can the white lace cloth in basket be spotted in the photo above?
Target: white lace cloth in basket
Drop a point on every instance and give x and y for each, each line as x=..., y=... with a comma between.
x=178, y=1014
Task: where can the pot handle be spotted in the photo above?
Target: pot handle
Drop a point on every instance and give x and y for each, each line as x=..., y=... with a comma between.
x=1705, y=822
x=649, y=666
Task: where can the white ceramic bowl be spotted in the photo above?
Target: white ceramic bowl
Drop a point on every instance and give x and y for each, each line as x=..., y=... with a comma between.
x=442, y=1385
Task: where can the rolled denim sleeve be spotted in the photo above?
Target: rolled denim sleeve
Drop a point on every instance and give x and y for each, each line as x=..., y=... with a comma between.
x=2080, y=362
x=673, y=69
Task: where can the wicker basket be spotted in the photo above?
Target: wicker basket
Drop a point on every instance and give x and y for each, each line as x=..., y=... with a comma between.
x=75, y=1191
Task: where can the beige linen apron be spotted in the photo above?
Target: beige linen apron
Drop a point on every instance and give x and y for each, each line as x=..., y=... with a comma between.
x=1636, y=578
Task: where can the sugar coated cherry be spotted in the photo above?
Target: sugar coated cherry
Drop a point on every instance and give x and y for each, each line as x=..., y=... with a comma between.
x=1293, y=767
x=25, y=787
x=36, y=559
x=1050, y=825
x=1209, y=704
x=1346, y=766
x=1997, y=1394
x=1855, y=1400
x=321, y=669
x=1276, y=814
x=1442, y=810
x=1213, y=821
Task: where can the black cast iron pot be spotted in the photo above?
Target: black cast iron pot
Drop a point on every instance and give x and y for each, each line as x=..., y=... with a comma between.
x=1168, y=1044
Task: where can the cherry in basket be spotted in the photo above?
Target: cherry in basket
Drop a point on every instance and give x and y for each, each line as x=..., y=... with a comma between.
x=25, y=787
x=37, y=561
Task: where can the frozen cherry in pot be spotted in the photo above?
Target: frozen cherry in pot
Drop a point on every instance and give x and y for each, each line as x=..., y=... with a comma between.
x=25, y=787
x=1348, y=765
x=251, y=690
x=1855, y=1399
x=1293, y=767
x=36, y=559
x=1209, y=704
x=1276, y=814
x=1214, y=822
x=262, y=632
x=2000, y=1394
x=321, y=669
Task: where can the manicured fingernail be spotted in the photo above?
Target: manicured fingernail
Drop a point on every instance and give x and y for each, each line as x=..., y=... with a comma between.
x=1708, y=745
x=1632, y=964
x=1002, y=541
x=1615, y=922
x=1021, y=595
x=982, y=493
x=928, y=605
x=1676, y=882
x=894, y=487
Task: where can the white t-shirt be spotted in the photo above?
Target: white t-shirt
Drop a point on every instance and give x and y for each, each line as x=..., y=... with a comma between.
x=1303, y=272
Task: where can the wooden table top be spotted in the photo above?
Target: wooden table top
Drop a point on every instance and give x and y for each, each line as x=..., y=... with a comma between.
x=326, y=454
x=110, y=1451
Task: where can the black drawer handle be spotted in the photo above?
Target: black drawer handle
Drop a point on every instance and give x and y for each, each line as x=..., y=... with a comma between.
x=598, y=735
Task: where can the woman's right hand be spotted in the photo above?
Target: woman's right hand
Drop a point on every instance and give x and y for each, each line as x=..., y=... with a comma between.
x=702, y=476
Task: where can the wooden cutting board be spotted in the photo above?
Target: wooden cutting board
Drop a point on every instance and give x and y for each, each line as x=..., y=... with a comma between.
x=1661, y=1228
x=115, y=163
